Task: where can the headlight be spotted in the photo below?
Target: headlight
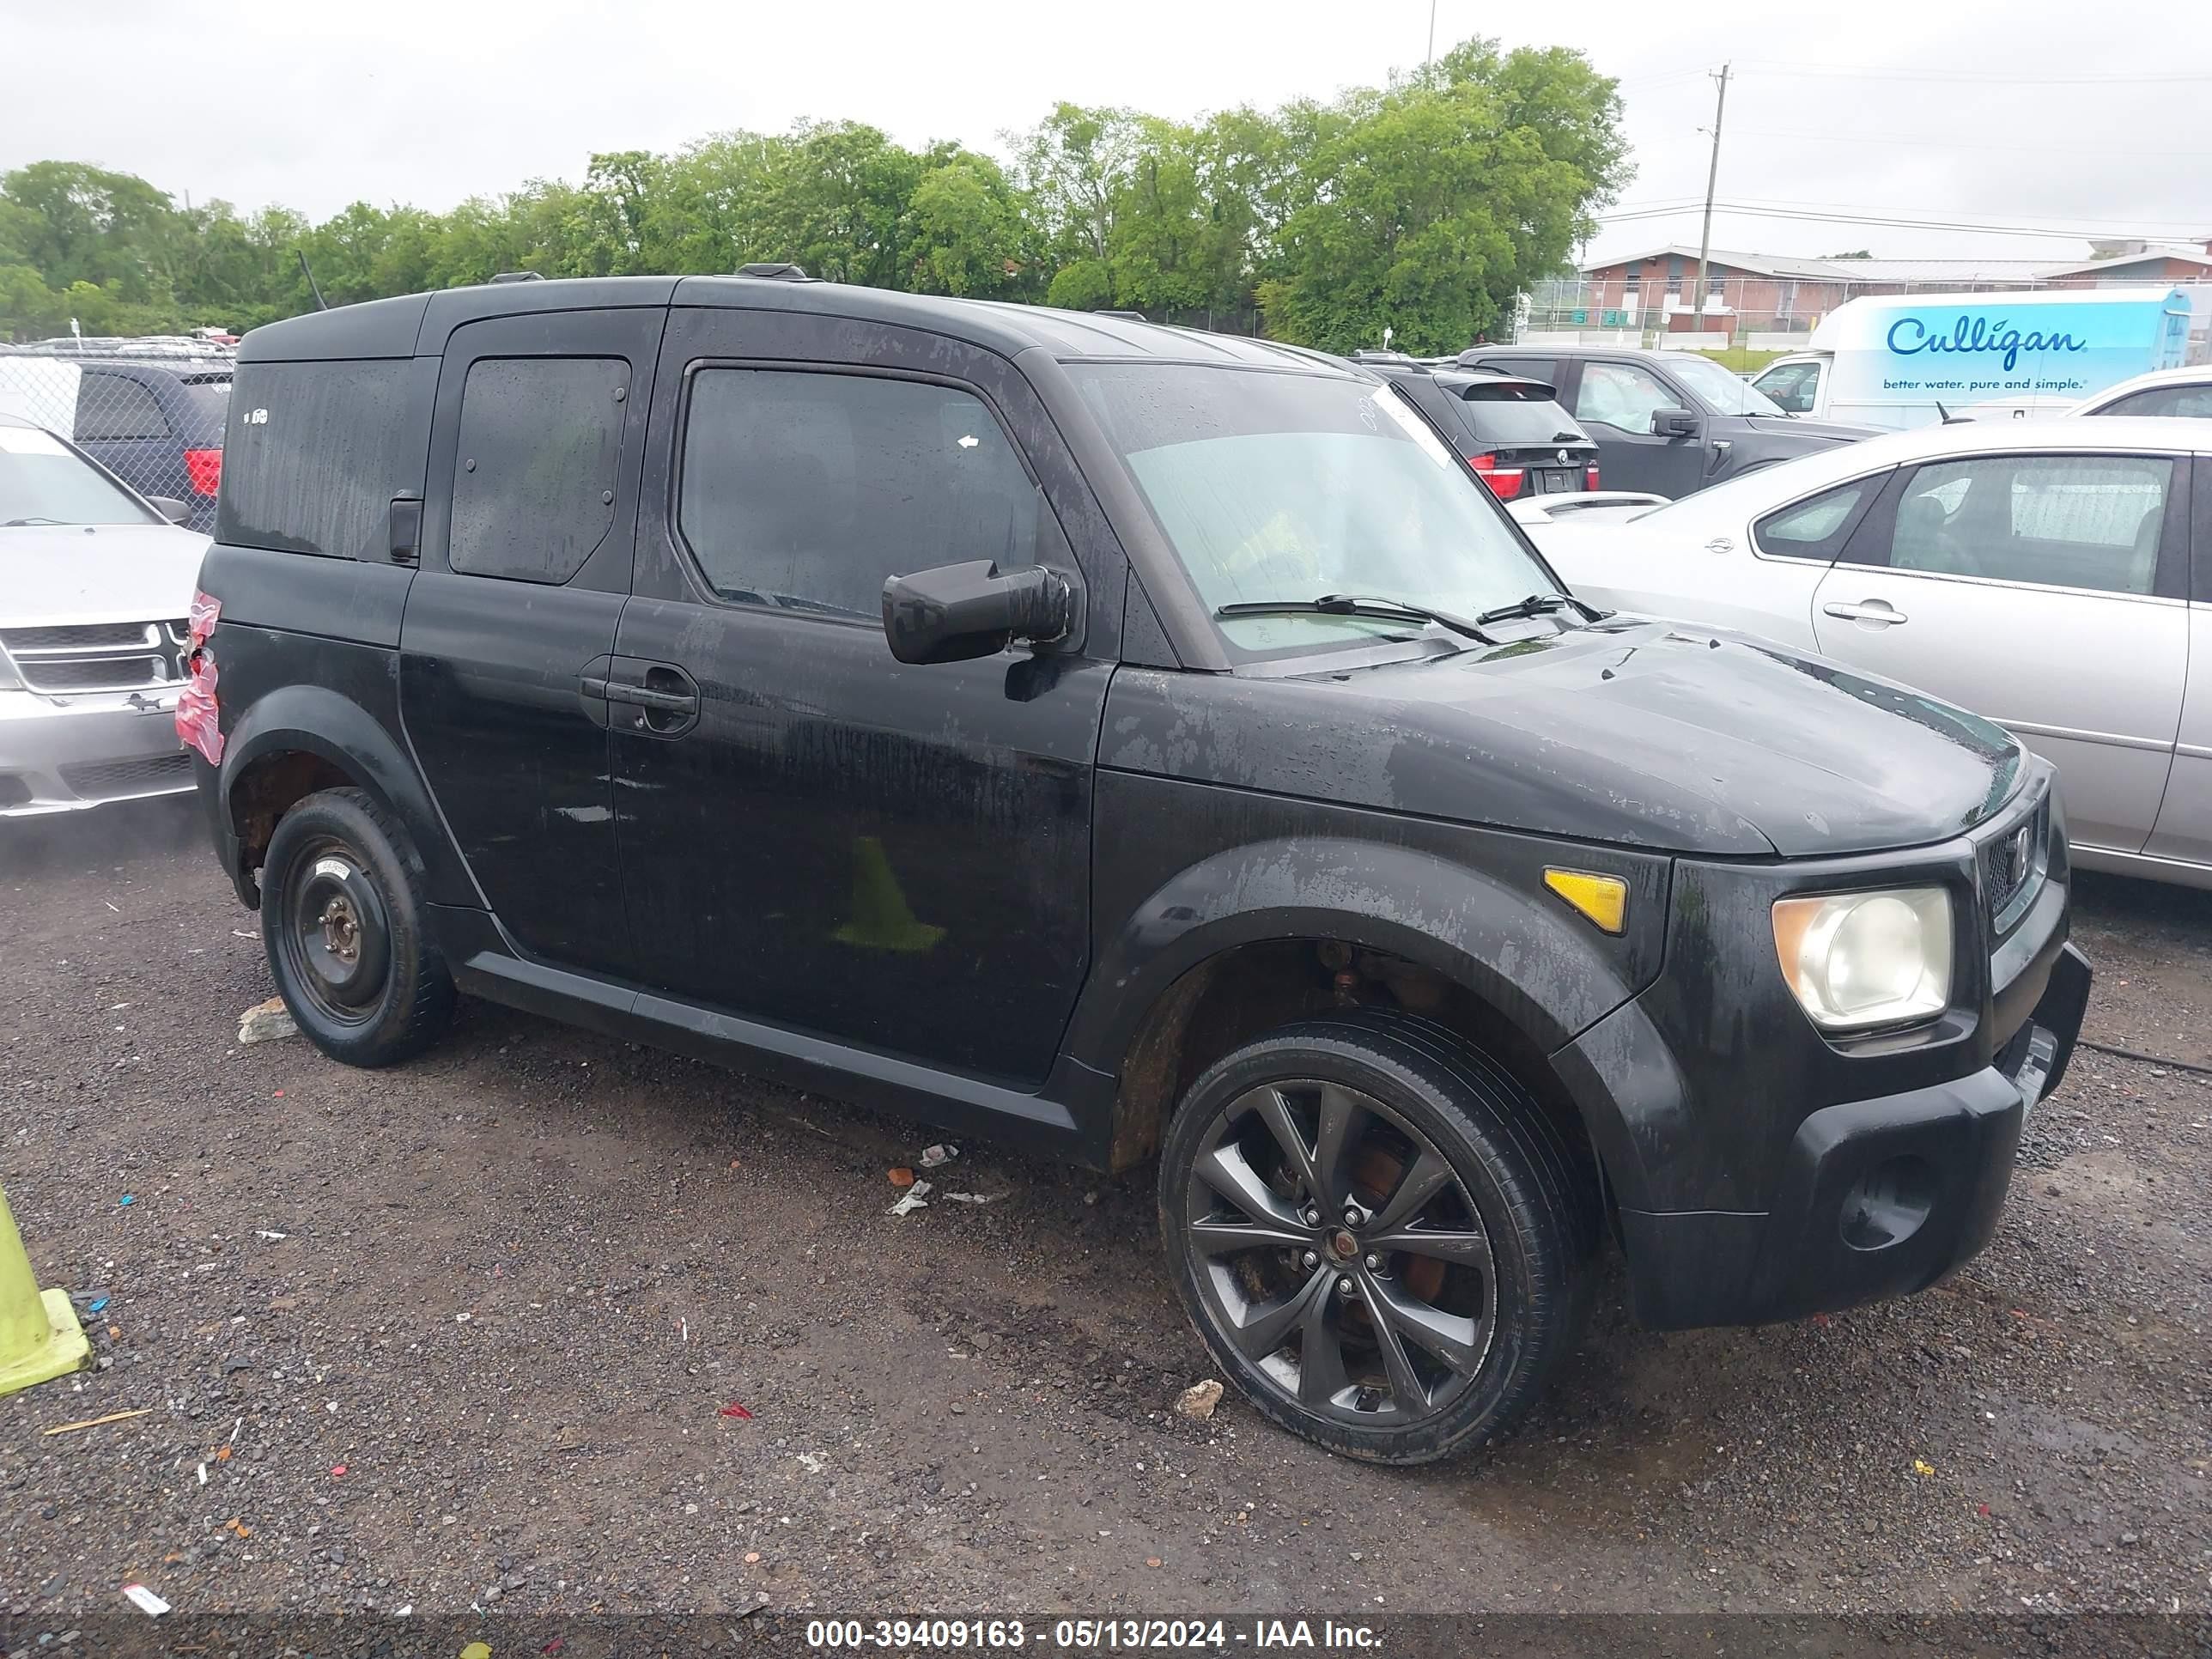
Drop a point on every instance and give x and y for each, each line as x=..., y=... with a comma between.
x=1860, y=959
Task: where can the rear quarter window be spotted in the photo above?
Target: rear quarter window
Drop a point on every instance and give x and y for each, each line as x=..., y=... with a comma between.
x=315, y=451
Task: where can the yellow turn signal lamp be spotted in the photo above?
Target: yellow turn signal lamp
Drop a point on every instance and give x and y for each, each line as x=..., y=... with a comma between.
x=1603, y=900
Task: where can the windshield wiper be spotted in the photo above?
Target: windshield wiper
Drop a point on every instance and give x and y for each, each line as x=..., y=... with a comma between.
x=1541, y=604
x=1350, y=605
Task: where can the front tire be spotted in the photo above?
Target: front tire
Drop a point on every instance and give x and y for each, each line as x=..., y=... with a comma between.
x=1380, y=1235
x=343, y=923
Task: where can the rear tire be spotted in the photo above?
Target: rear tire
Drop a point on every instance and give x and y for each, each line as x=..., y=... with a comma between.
x=343, y=923
x=1382, y=1239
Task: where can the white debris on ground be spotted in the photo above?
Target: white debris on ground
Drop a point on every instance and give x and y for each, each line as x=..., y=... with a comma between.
x=1197, y=1402
x=266, y=1022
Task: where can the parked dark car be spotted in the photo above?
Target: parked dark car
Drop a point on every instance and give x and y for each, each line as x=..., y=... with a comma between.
x=157, y=422
x=1668, y=422
x=1511, y=428
x=1138, y=743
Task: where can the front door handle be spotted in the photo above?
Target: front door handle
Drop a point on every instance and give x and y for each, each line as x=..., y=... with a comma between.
x=1878, y=612
x=644, y=696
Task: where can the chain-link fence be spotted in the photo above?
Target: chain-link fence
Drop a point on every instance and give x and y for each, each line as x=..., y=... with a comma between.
x=1769, y=313
x=151, y=411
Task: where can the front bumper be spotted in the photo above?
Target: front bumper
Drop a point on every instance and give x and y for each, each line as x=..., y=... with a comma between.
x=1879, y=1198
x=63, y=755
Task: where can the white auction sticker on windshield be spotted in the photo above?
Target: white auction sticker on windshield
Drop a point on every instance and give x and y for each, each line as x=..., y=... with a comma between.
x=28, y=441
x=1413, y=427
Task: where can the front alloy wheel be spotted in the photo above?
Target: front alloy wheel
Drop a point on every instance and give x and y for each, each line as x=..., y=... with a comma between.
x=1338, y=1252
x=1378, y=1232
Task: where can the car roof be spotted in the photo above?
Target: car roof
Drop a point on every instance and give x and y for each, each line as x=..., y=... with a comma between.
x=420, y=324
x=204, y=368
x=1457, y=377
x=1575, y=348
x=1805, y=475
x=2191, y=374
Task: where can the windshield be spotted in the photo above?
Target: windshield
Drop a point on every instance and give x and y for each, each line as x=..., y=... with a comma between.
x=1726, y=392
x=1286, y=487
x=42, y=482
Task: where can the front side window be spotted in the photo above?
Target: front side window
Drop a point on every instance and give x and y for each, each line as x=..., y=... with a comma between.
x=43, y=481
x=808, y=490
x=1288, y=487
x=1793, y=386
x=110, y=409
x=534, y=472
x=2085, y=521
x=1621, y=395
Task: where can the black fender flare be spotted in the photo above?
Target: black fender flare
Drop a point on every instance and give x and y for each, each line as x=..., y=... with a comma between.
x=1541, y=968
x=317, y=720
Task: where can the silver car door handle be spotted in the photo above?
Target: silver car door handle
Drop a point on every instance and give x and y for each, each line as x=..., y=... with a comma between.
x=1876, y=613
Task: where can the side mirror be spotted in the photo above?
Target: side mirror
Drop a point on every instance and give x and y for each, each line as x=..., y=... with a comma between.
x=957, y=612
x=1676, y=423
x=169, y=507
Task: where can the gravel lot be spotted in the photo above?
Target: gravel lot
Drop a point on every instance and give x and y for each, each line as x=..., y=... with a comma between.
x=461, y=1332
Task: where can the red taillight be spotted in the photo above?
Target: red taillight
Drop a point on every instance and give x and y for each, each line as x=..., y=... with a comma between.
x=1589, y=480
x=203, y=467
x=1505, y=482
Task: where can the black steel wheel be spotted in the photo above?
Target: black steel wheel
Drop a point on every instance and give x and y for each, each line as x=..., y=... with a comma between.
x=1378, y=1233
x=337, y=938
x=343, y=922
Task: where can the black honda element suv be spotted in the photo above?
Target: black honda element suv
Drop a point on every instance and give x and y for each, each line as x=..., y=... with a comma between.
x=1137, y=743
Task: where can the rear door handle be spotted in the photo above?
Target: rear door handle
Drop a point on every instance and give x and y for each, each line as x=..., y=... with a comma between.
x=1874, y=611
x=665, y=696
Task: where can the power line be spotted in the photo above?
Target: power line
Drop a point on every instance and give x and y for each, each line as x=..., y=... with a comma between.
x=1752, y=210
x=1833, y=72
x=2090, y=227
x=1931, y=142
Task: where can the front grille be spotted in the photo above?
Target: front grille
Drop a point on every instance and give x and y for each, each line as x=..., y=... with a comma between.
x=97, y=674
x=94, y=636
x=2012, y=863
x=110, y=778
x=97, y=656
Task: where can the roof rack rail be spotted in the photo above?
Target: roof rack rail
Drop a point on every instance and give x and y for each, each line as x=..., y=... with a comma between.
x=518, y=277
x=776, y=271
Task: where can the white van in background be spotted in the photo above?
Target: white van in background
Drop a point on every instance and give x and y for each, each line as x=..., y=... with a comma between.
x=1906, y=360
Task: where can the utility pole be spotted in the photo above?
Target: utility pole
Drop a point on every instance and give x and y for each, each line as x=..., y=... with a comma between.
x=1429, y=63
x=1712, y=177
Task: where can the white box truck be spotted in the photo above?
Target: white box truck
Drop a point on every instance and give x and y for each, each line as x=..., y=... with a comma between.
x=1904, y=359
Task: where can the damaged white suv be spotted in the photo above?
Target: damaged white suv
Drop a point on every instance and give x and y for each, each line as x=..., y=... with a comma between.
x=94, y=586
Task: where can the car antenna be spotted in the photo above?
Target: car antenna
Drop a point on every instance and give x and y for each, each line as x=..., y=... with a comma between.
x=307, y=272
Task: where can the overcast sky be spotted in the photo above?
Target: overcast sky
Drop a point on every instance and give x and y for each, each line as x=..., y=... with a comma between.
x=314, y=104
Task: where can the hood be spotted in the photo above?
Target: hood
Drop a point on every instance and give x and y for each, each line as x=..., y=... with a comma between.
x=57, y=575
x=1647, y=734
x=1826, y=432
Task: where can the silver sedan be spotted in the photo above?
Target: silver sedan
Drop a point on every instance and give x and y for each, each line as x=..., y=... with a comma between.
x=2053, y=576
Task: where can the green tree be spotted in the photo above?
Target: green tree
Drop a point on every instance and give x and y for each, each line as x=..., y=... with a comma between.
x=1446, y=196
x=965, y=232
x=1076, y=165
x=1424, y=207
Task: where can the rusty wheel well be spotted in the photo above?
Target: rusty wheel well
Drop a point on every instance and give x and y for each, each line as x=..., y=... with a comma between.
x=269, y=789
x=1228, y=1000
